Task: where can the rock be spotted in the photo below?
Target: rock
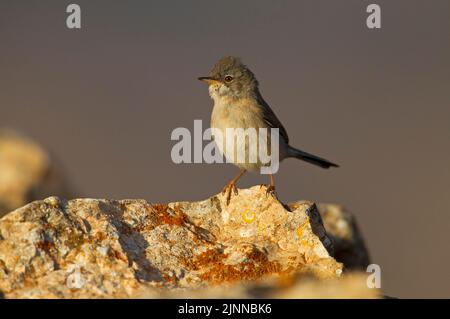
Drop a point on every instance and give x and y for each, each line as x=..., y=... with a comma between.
x=96, y=248
x=286, y=287
x=26, y=172
x=341, y=227
x=349, y=286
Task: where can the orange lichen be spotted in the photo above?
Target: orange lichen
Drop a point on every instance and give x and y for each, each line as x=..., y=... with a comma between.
x=255, y=265
x=175, y=217
x=45, y=245
x=207, y=258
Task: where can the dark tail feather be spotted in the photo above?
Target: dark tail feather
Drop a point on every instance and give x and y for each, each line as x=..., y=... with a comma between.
x=293, y=152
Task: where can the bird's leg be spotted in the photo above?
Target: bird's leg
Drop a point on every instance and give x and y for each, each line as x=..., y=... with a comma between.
x=231, y=186
x=271, y=188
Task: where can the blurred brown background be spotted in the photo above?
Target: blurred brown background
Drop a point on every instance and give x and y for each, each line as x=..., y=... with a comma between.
x=104, y=100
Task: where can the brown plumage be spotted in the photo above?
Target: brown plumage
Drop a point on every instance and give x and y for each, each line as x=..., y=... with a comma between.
x=238, y=103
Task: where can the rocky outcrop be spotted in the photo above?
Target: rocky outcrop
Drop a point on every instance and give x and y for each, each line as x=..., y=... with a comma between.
x=26, y=172
x=285, y=287
x=343, y=230
x=93, y=248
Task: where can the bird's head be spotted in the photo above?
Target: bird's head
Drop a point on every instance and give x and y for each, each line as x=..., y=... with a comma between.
x=229, y=78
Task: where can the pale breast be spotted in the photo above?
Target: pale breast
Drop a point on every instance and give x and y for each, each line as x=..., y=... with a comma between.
x=237, y=115
x=242, y=114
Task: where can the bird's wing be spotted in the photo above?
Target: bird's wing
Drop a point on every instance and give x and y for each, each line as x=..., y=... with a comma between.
x=271, y=119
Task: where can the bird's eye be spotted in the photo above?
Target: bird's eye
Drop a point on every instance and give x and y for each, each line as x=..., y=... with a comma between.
x=228, y=78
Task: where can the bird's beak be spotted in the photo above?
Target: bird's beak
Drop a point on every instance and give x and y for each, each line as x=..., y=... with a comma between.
x=208, y=80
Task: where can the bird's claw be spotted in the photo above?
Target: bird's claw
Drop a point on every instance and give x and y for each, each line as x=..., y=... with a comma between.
x=270, y=190
x=230, y=187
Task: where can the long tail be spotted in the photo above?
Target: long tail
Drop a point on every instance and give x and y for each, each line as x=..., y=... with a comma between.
x=313, y=159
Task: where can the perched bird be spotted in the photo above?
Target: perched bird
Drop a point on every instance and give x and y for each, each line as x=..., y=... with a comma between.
x=238, y=104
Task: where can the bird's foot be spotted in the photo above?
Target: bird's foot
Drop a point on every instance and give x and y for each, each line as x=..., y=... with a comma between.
x=228, y=189
x=270, y=190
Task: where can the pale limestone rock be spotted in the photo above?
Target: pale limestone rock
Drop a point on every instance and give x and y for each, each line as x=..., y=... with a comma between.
x=26, y=172
x=94, y=248
x=342, y=228
x=284, y=287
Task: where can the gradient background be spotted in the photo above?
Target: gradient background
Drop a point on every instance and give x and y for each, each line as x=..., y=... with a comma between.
x=104, y=100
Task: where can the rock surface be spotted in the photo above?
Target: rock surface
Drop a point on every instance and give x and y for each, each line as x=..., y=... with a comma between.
x=26, y=172
x=342, y=228
x=286, y=287
x=93, y=248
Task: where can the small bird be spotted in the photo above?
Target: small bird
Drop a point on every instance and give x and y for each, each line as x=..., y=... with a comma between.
x=238, y=103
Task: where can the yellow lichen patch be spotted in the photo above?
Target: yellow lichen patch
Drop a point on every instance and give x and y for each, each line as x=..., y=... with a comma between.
x=248, y=216
x=302, y=227
x=260, y=228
